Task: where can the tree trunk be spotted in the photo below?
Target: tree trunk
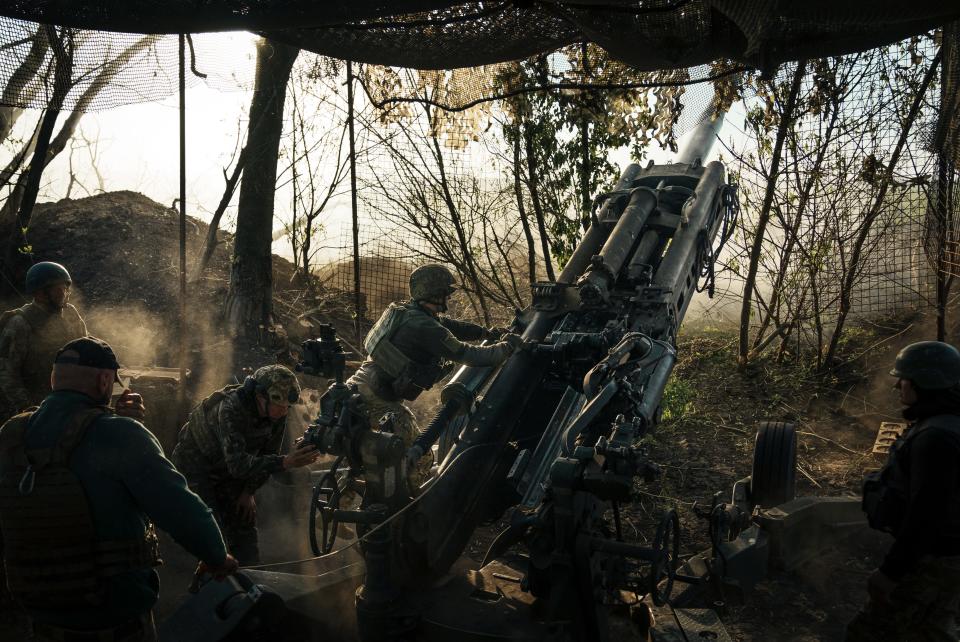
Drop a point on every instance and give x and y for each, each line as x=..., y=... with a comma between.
x=249, y=299
x=59, y=142
x=792, y=235
x=461, y=233
x=527, y=232
x=30, y=180
x=535, y=199
x=211, y=242
x=755, y=251
x=13, y=95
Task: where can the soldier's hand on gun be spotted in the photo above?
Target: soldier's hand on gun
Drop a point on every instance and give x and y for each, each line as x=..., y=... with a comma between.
x=412, y=456
x=517, y=342
x=246, y=506
x=228, y=567
x=498, y=332
x=303, y=455
x=130, y=404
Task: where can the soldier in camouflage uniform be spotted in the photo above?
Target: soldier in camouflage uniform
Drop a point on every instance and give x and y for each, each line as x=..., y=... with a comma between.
x=230, y=446
x=33, y=334
x=409, y=350
x=915, y=594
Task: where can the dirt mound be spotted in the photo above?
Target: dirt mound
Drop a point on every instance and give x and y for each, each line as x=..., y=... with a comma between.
x=122, y=247
x=122, y=250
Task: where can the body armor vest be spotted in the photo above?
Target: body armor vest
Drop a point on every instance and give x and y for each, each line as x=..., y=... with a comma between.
x=53, y=557
x=197, y=429
x=48, y=333
x=886, y=493
x=397, y=373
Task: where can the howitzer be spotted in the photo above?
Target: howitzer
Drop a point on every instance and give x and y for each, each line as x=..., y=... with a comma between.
x=551, y=442
x=552, y=434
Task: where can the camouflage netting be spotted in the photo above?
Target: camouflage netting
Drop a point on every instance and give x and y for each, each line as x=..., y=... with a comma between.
x=698, y=39
x=425, y=34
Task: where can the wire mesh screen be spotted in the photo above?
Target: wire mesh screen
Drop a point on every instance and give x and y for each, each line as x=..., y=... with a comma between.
x=942, y=233
x=107, y=69
x=386, y=261
x=848, y=207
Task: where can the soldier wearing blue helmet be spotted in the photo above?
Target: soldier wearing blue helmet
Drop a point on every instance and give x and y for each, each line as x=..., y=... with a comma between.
x=915, y=594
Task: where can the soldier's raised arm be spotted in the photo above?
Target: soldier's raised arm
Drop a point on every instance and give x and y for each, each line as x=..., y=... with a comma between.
x=443, y=343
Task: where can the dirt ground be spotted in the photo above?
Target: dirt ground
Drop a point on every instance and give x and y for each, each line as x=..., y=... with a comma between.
x=707, y=444
x=121, y=250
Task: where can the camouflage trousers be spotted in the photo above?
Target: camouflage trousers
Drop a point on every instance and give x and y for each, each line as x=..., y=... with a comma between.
x=923, y=607
x=241, y=537
x=404, y=425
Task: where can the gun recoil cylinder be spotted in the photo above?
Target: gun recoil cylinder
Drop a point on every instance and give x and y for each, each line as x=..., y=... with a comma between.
x=602, y=273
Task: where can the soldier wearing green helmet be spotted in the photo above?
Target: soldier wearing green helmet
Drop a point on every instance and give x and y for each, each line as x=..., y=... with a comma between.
x=32, y=335
x=915, y=594
x=230, y=446
x=409, y=350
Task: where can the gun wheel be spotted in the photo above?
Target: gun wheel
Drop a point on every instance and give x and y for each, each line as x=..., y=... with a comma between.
x=323, y=504
x=663, y=569
x=774, y=478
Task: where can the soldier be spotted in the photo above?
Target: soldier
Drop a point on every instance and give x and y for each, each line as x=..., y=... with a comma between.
x=80, y=490
x=915, y=594
x=409, y=348
x=230, y=446
x=32, y=335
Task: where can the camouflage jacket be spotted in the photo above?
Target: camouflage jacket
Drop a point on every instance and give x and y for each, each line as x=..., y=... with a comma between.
x=30, y=340
x=227, y=442
x=426, y=341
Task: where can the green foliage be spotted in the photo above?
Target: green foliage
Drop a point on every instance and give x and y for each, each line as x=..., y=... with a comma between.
x=549, y=126
x=677, y=399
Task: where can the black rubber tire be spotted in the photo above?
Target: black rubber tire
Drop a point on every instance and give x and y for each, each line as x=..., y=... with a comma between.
x=774, y=478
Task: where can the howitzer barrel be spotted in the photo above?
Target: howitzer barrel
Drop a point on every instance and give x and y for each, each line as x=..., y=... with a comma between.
x=701, y=141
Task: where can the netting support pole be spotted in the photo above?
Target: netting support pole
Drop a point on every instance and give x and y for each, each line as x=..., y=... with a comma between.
x=357, y=305
x=182, y=315
x=944, y=232
x=585, y=169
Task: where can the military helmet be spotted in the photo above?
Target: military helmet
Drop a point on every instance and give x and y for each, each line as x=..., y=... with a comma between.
x=930, y=365
x=43, y=275
x=278, y=384
x=431, y=281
